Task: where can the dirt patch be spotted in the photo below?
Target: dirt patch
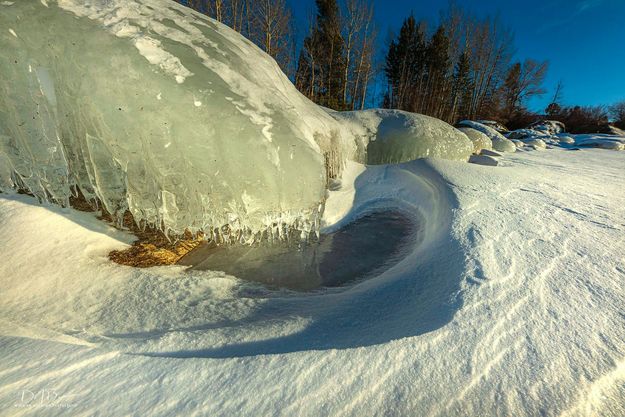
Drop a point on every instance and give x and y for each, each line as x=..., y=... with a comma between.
x=152, y=247
x=151, y=251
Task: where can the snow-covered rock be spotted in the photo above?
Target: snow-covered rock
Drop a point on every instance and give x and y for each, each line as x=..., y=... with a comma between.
x=495, y=125
x=500, y=142
x=521, y=134
x=567, y=140
x=484, y=160
x=480, y=140
x=611, y=142
x=616, y=131
x=536, y=143
x=550, y=127
x=394, y=136
x=489, y=152
x=162, y=111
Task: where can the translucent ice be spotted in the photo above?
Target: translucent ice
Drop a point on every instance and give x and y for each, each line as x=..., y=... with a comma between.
x=393, y=136
x=500, y=143
x=480, y=140
x=156, y=109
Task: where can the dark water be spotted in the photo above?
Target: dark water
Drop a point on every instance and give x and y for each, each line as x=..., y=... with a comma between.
x=358, y=251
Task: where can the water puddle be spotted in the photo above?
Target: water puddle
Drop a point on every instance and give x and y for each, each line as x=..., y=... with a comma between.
x=360, y=250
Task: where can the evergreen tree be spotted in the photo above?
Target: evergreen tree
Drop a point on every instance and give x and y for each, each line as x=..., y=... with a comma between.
x=404, y=68
x=322, y=63
x=462, y=87
x=438, y=64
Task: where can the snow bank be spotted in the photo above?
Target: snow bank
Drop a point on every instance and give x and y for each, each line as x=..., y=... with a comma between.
x=153, y=108
x=511, y=303
x=500, y=143
x=394, y=136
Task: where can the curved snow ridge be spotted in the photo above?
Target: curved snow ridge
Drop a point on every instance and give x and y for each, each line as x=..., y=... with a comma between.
x=429, y=270
x=417, y=191
x=209, y=314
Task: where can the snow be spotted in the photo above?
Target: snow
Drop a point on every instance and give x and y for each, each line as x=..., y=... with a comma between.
x=526, y=133
x=484, y=160
x=612, y=142
x=508, y=299
x=500, y=142
x=536, y=143
x=510, y=302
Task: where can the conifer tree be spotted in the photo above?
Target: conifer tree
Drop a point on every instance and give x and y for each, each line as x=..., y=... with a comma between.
x=462, y=87
x=322, y=63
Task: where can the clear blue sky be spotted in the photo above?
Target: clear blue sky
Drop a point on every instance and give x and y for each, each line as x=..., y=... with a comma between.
x=583, y=40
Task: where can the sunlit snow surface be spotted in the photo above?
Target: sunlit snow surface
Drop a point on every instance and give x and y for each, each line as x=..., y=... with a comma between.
x=511, y=304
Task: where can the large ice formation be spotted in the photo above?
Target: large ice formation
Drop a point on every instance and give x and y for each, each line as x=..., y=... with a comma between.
x=394, y=136
x=500, y=143
x=151, y=107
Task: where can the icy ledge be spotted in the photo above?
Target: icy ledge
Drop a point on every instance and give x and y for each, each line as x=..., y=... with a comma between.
x=152, y=108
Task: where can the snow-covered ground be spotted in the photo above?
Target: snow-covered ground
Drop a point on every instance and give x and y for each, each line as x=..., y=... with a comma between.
x=510, y=303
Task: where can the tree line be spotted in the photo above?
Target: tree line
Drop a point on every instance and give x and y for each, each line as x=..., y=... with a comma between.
x=334, y=67
x=462, y=68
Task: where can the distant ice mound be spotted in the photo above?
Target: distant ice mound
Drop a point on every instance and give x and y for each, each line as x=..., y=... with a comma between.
x=480, y=140
x=394, y=136
x=611, y=142
x=156, y=109
x=500, y=143
x=613, y=130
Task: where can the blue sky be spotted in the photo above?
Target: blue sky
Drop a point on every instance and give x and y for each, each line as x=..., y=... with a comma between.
x=583, y=40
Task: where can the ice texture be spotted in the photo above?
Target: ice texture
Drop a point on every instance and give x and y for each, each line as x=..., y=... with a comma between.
x=394, y=136
x=159, y=110
x=480, y=140
x=500, y=143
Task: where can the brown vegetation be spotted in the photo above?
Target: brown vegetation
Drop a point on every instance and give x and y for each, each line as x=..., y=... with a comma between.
x=152, y=247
